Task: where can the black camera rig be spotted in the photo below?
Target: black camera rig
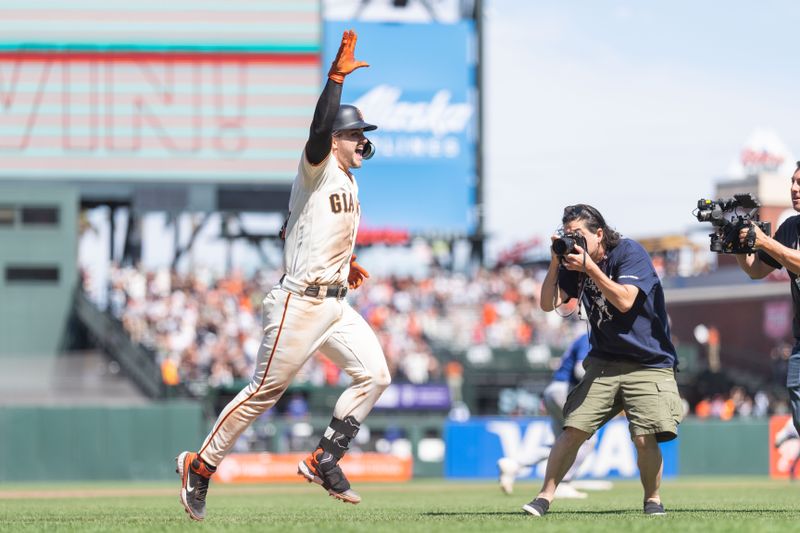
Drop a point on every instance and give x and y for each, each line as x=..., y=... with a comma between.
x=728, y=221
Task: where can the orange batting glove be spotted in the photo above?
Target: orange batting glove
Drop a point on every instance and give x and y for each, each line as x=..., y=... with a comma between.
x=345, y=63
x=357, y=274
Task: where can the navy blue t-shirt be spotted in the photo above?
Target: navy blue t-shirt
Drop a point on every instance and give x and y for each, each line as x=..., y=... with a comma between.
x=574, y=355
x=787, y=235
x=640, y=335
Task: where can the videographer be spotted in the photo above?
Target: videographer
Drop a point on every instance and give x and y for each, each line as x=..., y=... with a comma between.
x=632, y=361
x=781, y=252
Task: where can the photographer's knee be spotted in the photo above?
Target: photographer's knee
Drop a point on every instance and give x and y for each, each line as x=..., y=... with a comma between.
x=645, y=442
x=574, y=437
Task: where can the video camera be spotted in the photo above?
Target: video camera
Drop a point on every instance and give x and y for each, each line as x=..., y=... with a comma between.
x=565, y=244
x=724, y=215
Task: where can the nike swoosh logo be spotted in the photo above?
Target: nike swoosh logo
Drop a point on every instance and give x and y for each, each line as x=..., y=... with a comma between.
x=189, y=487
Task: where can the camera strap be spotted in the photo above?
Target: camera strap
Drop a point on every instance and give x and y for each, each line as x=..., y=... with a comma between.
x=581, y=286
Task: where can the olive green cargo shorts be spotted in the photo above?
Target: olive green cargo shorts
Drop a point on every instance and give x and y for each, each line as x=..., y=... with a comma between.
x=649, y=397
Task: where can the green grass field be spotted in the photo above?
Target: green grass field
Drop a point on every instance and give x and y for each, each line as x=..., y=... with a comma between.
x=693, y=504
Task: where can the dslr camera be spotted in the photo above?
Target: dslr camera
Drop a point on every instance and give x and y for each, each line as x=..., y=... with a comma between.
x=565, y=244
x=728, y=216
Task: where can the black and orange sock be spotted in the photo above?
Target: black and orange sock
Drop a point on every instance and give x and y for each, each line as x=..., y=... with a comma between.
x=200, y=466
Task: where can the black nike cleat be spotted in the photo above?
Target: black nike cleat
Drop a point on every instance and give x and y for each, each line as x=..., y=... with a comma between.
x=194, y=484
x=321, y=468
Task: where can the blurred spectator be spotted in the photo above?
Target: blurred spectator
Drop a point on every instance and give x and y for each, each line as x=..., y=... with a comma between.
x=779, y=362
x=737, y=403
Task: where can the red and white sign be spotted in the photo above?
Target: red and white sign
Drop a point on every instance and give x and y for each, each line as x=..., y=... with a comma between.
x=137, y=116
x=784, y=447
x=764, y=151
x=777, y=321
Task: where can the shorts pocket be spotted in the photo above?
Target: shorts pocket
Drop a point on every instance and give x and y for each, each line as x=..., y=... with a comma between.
x=669, y=400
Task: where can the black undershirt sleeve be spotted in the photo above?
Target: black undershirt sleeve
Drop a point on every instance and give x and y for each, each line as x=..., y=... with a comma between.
x=319, y=137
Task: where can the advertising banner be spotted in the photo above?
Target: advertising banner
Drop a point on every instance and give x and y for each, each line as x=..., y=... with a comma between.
x=282, y=468
x=474, y=447
x=420, y=91
x=407, y=396
x=784, y=448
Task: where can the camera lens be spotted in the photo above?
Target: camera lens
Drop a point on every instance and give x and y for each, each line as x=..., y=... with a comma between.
x=563, y=245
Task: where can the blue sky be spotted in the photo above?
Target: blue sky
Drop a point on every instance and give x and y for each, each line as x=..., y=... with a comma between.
x=635, y=107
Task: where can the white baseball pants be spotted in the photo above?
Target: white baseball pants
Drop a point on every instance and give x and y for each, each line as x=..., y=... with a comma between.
x=295, y=327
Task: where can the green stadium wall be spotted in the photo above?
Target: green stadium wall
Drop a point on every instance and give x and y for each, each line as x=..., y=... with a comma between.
x=140, y=443
x=34, y=312
x=716, y=447
x=96, y=443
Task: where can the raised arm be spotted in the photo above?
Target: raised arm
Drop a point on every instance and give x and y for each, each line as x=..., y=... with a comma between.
x=319, y=137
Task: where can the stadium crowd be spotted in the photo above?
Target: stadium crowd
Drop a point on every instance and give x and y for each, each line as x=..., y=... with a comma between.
x=209, y=329
x=206, y=330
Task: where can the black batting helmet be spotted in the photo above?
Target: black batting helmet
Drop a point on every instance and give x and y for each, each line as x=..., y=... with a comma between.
x=349, y=117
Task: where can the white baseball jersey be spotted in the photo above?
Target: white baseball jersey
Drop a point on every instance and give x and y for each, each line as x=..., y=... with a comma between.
x=323, y=221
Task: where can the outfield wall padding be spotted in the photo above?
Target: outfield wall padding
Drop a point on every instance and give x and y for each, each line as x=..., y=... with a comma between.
x=140, y=443
x=716, y=447
x=96, y=443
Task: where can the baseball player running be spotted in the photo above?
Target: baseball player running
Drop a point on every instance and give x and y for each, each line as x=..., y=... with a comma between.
x=306, y=311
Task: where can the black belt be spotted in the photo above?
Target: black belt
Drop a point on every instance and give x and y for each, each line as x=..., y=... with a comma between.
x=334, y=291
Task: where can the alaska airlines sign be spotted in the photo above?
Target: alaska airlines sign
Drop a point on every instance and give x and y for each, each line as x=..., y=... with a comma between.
x=421, y=94
x=435, y=128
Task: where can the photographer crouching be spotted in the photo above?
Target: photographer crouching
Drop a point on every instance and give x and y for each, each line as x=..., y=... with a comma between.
x=632, y=361
x=781, y=252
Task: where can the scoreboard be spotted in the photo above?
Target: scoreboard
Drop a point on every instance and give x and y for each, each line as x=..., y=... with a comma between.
x=171, y=90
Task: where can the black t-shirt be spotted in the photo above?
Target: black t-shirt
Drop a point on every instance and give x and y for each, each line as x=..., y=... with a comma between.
x=787, y=235
x=642, y=334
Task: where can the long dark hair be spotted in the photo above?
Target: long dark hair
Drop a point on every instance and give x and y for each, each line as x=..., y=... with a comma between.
x=594, y=221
